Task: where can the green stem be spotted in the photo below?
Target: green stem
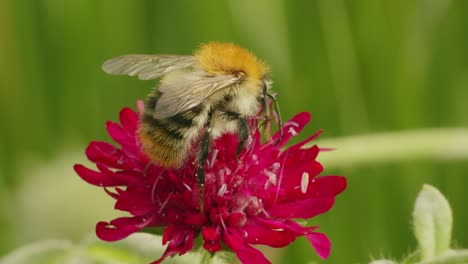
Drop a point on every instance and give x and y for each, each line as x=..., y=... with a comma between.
x=454, y=257
x=435, y=144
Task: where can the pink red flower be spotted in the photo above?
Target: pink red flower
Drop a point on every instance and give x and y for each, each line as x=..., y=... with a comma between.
x=250, y=199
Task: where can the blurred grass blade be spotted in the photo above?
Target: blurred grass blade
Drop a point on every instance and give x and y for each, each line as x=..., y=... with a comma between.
x=344, y=66
x=431, y=144
x=383, y=261
x=256, y=21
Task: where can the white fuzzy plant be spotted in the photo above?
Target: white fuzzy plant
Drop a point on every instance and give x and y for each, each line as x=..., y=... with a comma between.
x=432, y=221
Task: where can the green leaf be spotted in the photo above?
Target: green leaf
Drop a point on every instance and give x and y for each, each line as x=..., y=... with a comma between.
x=432, y=219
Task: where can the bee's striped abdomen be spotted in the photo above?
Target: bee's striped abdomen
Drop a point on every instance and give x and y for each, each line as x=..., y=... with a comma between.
x=166, y=141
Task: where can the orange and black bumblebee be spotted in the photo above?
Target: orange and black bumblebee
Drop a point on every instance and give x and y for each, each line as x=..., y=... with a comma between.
x=199, y=98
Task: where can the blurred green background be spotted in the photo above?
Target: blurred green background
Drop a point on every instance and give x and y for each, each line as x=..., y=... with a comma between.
x=359, y=66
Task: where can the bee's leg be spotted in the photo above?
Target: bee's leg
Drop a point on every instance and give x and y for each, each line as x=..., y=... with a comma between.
x=202, y=158
x=243, y=133
x=145, y=170
x=280, y=122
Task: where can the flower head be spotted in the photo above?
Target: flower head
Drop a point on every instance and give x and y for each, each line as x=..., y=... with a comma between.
x=251, y=198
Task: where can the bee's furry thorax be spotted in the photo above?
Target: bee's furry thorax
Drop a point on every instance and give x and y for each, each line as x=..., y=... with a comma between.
x=227, y=58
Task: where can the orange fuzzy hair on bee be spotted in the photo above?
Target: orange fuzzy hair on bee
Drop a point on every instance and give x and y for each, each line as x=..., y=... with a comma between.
x=168, y=154
x=227, y=58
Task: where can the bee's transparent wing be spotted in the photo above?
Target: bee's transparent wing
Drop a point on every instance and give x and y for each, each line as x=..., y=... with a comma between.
x=188, y=91
x=147, y=67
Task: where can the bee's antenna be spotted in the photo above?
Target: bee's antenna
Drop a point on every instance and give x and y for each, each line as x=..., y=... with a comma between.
x=265, y=107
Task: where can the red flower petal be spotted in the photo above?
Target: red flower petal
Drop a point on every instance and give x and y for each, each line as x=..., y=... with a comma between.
x=108, y=154
x=326, y=186
x=120, y=228
x=301, y=158
x=137, y=203
x=245, y=253
x=251, y=198
x=168, y=233
x=320, y=243
x=94, y=177
x=211, y=233
x=129, y=120
x=108, y=232
x=111, y=194
x=116, y=132
x=124, y=178
x=211, y=237
x=294, y=169
x=98, y=151
x=302, y=209
x=181, y=241
x=291, y=128
x=128, y=142
x=262, y=234
x=302, y=143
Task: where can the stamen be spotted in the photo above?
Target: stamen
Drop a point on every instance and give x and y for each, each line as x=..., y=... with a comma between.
x=265, y=212
x=248, y=143
x=153, y=189
x=271, y=177
x=292, y=123
x=213, y=158
x=275, y=166
x=222, y=222
x=222, y=190
x=249, y=146
x=280, y=178
x=165, y=203
x=221, y=177
x=292, y=131
x=304, y=182
x=187, y=186
x=278, y=229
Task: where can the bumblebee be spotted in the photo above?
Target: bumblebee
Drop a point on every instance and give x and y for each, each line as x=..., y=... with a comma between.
x=199, y=98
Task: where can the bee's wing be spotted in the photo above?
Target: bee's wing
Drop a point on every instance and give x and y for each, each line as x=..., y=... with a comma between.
x=147, y=67
x=188, y=91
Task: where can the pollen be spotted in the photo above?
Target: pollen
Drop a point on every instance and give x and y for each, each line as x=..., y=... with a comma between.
x=227, y=58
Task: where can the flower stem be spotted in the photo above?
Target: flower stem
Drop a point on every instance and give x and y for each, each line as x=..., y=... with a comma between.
x=436, y=144
x=454, y=257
